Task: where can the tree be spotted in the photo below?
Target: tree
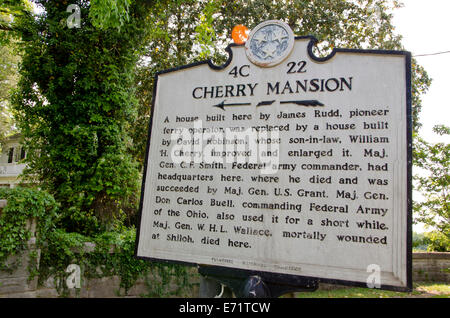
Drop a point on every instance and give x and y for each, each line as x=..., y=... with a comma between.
x=8, y=80
x=434, y=185
x=9, y=9
x=9, y=60
x=74, y=105
x=171, y=41
x=188, y=31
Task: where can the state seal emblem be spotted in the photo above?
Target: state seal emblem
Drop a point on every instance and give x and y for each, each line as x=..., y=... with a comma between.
x=269, y=43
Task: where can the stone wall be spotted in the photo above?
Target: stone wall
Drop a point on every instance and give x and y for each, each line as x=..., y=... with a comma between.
x=105, y=287
x=431, y=267
x=17, y=284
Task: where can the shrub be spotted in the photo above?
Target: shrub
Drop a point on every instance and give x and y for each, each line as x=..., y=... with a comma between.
x=437, y=241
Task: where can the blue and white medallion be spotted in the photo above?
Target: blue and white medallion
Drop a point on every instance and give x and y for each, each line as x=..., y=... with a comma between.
x=269, y=43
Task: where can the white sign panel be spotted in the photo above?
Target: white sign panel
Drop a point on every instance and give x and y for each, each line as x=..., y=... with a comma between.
x=283, y=162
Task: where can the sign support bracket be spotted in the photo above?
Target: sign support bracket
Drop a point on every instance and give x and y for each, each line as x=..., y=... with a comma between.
x=252, y=284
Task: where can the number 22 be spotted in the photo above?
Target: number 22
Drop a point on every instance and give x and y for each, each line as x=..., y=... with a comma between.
x=292, y=67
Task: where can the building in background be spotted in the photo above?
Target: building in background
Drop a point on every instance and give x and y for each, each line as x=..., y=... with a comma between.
x=11, y=158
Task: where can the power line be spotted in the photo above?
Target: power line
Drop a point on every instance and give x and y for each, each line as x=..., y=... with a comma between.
x=429, y=54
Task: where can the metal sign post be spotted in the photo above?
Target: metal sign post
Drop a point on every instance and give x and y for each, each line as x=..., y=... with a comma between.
x=248, y=284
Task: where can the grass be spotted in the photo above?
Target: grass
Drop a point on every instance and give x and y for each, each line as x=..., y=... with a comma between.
x=436, y=288
x=421, y=290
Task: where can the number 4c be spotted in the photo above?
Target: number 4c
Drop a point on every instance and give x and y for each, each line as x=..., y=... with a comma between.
x=241, y=71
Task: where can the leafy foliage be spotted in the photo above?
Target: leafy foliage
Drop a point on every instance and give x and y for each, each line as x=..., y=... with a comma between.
x=112, y=255
x=109, y=13
x=419, y=242
x=434, y=185
x=103, y=255
x=9, y=59
x=432, y=241
x=9, y=9
x=437, y=241
x=23, y=205
x=8, y=79
x=74, y=106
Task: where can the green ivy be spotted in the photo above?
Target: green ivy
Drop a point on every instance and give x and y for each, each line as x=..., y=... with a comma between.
x=80, y=83
x=23, y=205
x=113, y=255
x=106, y=254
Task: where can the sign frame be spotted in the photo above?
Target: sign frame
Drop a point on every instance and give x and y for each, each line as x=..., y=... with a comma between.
x=288, y=279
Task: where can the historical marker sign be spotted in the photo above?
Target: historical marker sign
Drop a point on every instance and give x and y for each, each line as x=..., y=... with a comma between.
x=283, y=162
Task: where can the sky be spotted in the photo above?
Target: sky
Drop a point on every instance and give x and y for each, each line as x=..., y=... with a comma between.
x=424, y=26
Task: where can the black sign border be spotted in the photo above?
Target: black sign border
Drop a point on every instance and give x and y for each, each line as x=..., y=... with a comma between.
x=280, y=278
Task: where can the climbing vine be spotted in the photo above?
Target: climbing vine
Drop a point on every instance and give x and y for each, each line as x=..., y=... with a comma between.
x=106, y=254
x=24, y=205
x=74, y=104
